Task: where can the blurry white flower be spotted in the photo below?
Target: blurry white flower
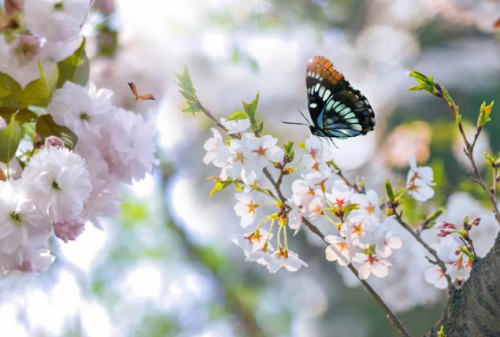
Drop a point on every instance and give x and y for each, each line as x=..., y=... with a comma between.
x=434, y=275
x=105, y=195
x=251, y=242
x=236, y=127
x=54, y=141
x=3, y=124
x=380, y=235
x=69, y=230
x=266, y=150
x=218, y=153
x=369, y=207
x=20, y=223
x=132, y=149
x=56, y=20
x=371, y=264
x=246, y=208
x=419, y=181
x=19, y=59
x=340, y=249
x=57, y=182
x=25, y=260
x=286, y=259
x=458, y=266
x=81, y=109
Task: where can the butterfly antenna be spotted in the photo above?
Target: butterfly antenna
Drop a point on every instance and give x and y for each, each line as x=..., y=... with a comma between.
x=292, y=123
x=308, y=123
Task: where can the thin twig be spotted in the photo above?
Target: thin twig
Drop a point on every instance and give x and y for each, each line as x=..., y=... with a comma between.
x=432, y=251
x=469, y=151
x=354, y=186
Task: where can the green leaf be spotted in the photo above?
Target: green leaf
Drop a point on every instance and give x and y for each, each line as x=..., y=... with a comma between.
x=191, y=109
x=25, y=116
x=46, y=127
x=289, y=151
x=441, y=332
x=75, y=68
x=251, y=111
x=237, y=115
x=9, y=141
x=430, y=221
x=10, y=91
x=389, y=190
x=39, y=91
x=220, y=185
x=484, y=114
x=7, y=112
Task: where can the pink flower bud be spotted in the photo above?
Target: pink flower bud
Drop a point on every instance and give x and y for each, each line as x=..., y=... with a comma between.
x=3, y=124
x=54, y=141
x=13, y=6
x=69, y=230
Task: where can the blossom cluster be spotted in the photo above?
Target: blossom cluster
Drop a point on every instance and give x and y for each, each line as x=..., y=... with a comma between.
x=362, y=235
x=53, y=32
x=72, y=155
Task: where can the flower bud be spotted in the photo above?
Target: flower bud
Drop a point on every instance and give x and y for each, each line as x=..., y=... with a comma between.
x=3, y=124
x=54, y=141
x=26, y=48
x=69, y=230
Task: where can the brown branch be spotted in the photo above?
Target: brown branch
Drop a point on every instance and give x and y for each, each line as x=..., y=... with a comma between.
x=391, y=316
x=432, y=251
x=469, y=152
x=354, y=186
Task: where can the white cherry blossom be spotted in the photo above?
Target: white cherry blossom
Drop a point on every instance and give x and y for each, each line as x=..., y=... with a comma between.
x=369, y=206
x=265, y=150
x=371, y=263
x=419, y=181
x=236, y=127
x=435, y=275
x=246, y=208
x=285, y=259
x=340, y=249
x=218, y=153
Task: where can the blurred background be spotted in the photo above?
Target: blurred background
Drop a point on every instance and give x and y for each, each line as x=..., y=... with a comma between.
x=165, y=266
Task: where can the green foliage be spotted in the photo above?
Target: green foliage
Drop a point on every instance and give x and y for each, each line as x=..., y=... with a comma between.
x=484, y=114
x=188, y=92
x=39, y=91
x=431, y=219
x=441, y=332
x=237, y=115
x=220, y=185
x=157, y=325
x=210, y=258
x=251, y=111
x=424, y=83
x=9, y=141
x=10, y=92
x=390, y=191
x=133, y=214
x=46, y=127
x=289, y=152
x=75, y=68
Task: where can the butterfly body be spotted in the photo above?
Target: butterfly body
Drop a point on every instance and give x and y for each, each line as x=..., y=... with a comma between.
x=337, y=109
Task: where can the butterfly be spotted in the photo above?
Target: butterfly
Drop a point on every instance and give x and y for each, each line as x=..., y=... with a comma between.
x=147, y=97
x=337, y=110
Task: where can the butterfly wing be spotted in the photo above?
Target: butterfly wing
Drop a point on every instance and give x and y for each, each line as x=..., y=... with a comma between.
x=147, y=97
x=336, y=108
x=133, y=88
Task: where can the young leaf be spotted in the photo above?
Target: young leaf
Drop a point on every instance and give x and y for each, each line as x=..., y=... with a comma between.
x=251, y=111
x=39, y=91
x=10, y=91
x=9, y=141
x=46, y=127
x=220, y=185
x=75, y=68
x=237, y=115
x=484, y=114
